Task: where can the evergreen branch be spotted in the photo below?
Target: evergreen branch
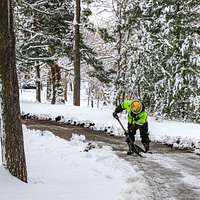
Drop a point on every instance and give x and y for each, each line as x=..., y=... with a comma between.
x=41, y=11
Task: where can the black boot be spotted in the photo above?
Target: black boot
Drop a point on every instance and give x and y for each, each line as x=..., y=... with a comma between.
x=146, y=146
x=129, y=152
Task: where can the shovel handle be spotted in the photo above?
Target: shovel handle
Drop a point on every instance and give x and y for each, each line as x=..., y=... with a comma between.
x=121, y=125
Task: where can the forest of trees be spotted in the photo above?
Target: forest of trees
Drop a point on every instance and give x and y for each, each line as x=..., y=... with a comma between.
x=148, y=49
x=153, y=51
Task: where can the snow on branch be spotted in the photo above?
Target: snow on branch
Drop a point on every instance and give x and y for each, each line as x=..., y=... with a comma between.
x=41, y=11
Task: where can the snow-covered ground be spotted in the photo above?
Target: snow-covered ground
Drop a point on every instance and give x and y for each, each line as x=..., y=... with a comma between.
x=60, y=169
x=180, y=134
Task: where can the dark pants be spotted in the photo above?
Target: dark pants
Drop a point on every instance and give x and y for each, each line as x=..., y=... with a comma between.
x=132, y=128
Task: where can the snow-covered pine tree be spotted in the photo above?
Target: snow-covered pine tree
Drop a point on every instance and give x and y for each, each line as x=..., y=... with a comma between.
x=183, y=17
x=161, y=38
x=126, y=37
x=39, y=42
x=46, y=30
x=121, y=35
x=170, y=47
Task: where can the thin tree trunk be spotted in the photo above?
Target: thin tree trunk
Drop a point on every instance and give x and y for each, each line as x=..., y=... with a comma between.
x=89, y=96
x=59, y=85
x=57, y=89
x=92, y=102
x=119, y=51
x=77, y=82
x=11, y=129
x=139, y=90
x=98, y=99
x=49, y=83
x=65, y=87
x=38, y=84
x=71, y=86
x=53, y=82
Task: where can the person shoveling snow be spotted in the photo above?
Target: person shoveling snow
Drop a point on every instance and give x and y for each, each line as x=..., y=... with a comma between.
x=137, y=119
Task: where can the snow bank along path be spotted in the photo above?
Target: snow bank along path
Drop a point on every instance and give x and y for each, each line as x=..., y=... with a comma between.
x=60, y=169
x=182, y=135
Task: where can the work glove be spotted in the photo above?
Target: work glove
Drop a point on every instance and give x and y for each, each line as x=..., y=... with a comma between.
x=115, y=115
x=126, y=134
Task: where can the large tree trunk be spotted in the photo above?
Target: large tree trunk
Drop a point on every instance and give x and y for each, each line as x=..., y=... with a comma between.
x=77, y=82
x=13, y=155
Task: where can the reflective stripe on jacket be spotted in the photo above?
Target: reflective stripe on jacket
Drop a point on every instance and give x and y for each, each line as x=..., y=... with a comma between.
x=139, y=119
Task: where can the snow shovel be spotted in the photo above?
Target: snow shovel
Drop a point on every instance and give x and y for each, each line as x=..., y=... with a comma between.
x=134, y=147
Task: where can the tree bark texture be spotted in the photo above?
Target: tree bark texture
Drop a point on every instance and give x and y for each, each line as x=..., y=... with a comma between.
x=53, y=81
x=11, y=129
x=49, y=83
x=77, y=82
x=65, y=86
x=38, y=84
x=119, y=52
x=57, y=89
